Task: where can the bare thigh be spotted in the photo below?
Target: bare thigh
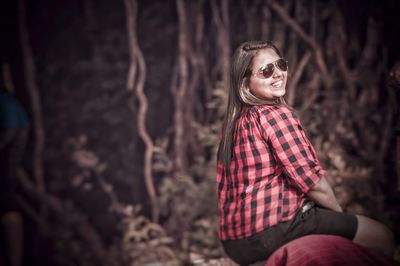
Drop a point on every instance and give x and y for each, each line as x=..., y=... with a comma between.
x=375, y=235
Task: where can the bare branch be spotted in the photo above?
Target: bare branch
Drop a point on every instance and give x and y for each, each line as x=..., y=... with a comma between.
x=372, y=41
x=201, y=63
x=77, y=220
x=296, y=77
x=293, y=43
x=339, y=31
x=302, y=34
x=137, y=77
x=31, y=84
x=384, y=145
x=265, y=20
x=279, y=28
x=181, y=88
x=7, y=77
x=223, y=38
x=131, y=29
x=313, y=86
x=314, y=19
x=225, y=41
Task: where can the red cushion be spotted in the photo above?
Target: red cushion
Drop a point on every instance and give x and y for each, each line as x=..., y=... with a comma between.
x=326, y=250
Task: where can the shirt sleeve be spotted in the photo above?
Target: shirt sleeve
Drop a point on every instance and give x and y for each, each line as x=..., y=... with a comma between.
x=291, y=147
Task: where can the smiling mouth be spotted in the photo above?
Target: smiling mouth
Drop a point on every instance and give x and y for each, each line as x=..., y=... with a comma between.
x=277, y=84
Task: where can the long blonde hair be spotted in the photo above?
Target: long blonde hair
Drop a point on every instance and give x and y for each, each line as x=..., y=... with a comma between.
x=239, y=94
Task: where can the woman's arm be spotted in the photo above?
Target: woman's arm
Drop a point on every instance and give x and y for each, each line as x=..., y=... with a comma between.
x=292, y=150
x=297, y=156
x=322, y=194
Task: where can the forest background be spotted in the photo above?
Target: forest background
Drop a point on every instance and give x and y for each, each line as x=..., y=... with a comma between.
x=126, y=100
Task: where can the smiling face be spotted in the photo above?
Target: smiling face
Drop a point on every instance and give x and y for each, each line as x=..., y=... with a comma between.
x=267, y=88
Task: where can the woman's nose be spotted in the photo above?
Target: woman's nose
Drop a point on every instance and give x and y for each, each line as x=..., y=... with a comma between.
x=277, y=73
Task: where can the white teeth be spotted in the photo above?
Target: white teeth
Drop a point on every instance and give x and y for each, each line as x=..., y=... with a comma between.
x=277, y=83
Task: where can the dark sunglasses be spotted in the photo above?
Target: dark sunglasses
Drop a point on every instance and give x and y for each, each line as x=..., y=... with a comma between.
x=268, y=70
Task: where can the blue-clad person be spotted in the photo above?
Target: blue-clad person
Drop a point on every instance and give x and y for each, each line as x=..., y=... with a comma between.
x=14, y=130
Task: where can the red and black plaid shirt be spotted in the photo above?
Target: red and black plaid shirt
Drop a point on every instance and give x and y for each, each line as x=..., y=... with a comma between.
x=273, y=165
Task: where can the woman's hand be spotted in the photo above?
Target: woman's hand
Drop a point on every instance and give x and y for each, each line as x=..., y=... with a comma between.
x=322, y=194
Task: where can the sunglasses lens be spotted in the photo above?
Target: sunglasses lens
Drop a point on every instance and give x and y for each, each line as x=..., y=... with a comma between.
x=282, y=65
x=268, y=71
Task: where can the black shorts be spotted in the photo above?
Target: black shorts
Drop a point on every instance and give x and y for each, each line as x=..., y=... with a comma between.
x=316, y=220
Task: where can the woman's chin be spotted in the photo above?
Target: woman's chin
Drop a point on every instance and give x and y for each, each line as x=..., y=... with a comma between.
x=279, y=92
